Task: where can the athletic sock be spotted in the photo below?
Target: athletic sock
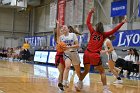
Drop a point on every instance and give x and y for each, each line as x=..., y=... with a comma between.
x=105, y=87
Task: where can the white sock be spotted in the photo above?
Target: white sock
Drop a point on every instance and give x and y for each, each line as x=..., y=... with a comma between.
x=80, y=81
x=64, y=82
x=105, y=87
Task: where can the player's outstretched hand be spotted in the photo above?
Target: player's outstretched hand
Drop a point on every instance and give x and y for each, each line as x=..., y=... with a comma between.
x=92, y=10
x=125, y=20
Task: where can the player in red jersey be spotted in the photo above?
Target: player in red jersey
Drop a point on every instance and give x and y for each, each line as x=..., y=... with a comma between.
x=92, y=53
x=59, y=62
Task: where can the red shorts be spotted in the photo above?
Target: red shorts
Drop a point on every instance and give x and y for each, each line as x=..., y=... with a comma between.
x=92, y=58
x=59, y=58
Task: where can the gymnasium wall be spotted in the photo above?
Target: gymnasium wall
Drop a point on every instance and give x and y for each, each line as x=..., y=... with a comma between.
x=14, y=26
x=13, y=21
x=42, y=18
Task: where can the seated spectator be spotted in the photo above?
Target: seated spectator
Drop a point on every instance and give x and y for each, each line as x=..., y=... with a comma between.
x=135, y=68
x=125, y=64
x=16, y=53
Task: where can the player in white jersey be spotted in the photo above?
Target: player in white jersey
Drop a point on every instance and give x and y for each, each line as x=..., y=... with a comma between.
x=112, y=57
x=70, y=54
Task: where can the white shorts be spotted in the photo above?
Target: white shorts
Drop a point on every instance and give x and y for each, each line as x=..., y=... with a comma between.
x=112, y=56
x=73, y=56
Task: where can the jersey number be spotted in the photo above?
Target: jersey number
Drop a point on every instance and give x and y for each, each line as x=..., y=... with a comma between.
x=96, y=37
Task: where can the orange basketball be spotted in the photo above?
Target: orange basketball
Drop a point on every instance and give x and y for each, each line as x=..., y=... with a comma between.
x=60, y=47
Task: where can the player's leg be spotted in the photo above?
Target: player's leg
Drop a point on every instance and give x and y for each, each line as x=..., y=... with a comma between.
x=111, y=65
x=66, y=71
x=103, y=79
x=60, y=78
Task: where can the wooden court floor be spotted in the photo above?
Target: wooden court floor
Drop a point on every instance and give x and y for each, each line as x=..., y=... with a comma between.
x=17, y=77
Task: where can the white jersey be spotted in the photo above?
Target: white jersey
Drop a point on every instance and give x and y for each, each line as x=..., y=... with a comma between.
x=132, y=58
x=112, y=55
x=69, y=40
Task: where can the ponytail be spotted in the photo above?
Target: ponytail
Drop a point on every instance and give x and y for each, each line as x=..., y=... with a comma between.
x=72, y=30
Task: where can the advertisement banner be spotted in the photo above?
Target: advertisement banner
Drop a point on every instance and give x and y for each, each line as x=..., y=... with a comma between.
x=36, y=40
x=52, y=41
x=119, y=8
x=128, y=38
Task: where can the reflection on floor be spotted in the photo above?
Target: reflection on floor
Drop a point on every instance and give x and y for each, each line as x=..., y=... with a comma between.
x=16, y=77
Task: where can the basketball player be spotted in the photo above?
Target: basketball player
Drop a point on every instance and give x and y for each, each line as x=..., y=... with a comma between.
x=92, y=53
x=70, y=54
x=59, y=62
x=112, y=57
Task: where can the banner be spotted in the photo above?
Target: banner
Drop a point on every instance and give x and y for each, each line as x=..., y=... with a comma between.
x=36, y=40
x=127, y=38
x=61, y=11
x=119, y=8
x=52, y=41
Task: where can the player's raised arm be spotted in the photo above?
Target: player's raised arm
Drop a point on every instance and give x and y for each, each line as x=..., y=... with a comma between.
x=57, y=31
x=91, y=29
x=106, y=34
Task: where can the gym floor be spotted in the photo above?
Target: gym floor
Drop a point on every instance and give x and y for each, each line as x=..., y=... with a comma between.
x=17, y=77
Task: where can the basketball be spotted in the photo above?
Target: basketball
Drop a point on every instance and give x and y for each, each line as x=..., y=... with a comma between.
x=60, y=47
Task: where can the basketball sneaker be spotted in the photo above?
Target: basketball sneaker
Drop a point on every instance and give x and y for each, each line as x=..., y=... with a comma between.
x=131, y=74
x=125, y=73
x=118, y=82
x=60, y=85
x=79, y=85
x=138, y=75
x=106, y=90
x=135, y=74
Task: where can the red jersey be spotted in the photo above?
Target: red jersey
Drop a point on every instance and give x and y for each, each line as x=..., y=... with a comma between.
x=59, y=53
x=96, y=39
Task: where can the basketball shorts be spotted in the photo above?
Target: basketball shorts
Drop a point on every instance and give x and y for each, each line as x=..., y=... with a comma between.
x=73, y=56
x=112, y=56
x=59, y=59
x=92, y=58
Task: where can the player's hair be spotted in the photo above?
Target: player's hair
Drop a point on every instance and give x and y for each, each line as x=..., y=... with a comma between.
x=72, y=30
x=112, y=37
x=99, y=27
x=136, y=54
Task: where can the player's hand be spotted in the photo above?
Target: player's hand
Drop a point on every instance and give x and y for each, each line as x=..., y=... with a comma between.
x=102, y=51
x=92, y=10
x=125, y=20
x=57, y=21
